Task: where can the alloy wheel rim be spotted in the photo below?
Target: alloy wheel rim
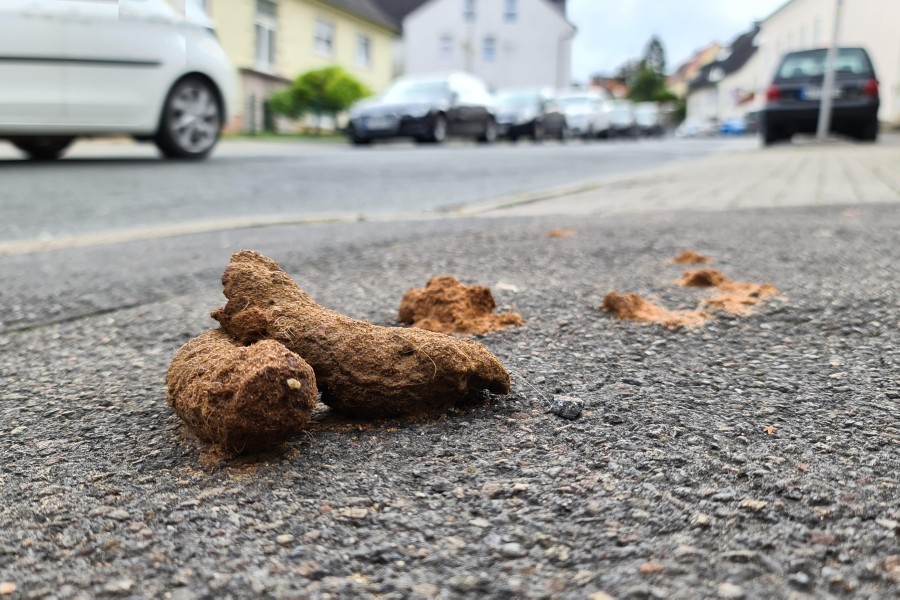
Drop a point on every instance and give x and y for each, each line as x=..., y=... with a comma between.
x=440, y=129
x=194, y=118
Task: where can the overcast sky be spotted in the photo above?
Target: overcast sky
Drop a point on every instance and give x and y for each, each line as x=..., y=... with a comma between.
x=612, y=31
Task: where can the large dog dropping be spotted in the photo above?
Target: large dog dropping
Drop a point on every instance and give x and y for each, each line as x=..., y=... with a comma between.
x=362, y=369
x=240, y=397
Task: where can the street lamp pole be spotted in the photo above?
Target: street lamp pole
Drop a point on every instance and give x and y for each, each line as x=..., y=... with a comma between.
x=828, y=82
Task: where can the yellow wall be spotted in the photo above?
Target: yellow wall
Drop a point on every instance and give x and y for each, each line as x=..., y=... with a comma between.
x=297, y=53
x=295, y=42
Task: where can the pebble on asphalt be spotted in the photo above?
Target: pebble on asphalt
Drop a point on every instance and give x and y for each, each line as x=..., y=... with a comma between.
x=567, y=407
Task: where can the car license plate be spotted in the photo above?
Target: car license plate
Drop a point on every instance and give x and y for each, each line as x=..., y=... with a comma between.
x=815, y=93
x=379, y=123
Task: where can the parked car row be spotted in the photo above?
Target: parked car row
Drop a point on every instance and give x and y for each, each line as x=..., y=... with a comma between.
x=431, y=109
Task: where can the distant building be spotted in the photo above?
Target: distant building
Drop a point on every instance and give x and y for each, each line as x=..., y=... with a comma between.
x=508, y=43
x=730, y=85
x=872, y=24
x=677, y=82
x=271, y=42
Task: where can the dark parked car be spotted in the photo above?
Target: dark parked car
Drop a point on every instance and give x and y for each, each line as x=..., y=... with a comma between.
x=530, y=113
x=428, y=109
x=792, y=101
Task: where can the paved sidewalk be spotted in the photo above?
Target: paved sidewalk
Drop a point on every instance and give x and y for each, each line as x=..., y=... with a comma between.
x=802, y=174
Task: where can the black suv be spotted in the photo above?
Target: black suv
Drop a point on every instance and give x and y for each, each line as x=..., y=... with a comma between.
x=792, y=101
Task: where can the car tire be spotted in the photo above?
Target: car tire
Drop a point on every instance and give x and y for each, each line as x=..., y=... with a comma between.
x=870, y=132
x=537, y=131
x=191, y=121
x=43, y=148
x=360, y=141
x=564, y=133
x=589, y=134
x=438, y=132
x=771, y=136
x=490, y=132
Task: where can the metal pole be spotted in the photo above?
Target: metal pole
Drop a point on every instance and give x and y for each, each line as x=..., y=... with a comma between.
x=828, y=81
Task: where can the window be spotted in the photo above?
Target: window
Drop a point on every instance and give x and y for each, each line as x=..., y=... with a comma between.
x=324, y=37
x=363, y=51
x=489, y=50
x=510, y=11
x=266, y=24
x=469, y=10
x=446, y=49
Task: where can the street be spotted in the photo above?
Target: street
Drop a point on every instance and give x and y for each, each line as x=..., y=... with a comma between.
x=105, y=186
x=754, y=456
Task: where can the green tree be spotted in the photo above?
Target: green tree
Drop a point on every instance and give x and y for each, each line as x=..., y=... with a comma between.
x=650, y=86
x=628, y=71
x=321, y=92
x=655, y=56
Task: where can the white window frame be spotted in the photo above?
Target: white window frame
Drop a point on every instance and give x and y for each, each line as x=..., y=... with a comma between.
x=510, y=11
x=265, y=46
x=446, y=49
x=363, y=50
x=323, y=40
x=489, y=50
x=469, y=11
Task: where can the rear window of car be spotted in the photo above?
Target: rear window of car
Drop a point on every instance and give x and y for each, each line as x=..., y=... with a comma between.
x=850, y=61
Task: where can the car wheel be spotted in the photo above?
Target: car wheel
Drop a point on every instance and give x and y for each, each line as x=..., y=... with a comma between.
x=513, y=138
x=360, y=141
x=191, y=120
x=490, y=132
x=438, y=130
x=771, y=136
x=43, y=148
x=870, y=132
x=537, y=131
x=589, y=134
x=564, y=133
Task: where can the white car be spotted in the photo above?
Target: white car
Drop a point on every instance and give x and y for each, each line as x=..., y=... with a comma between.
x=147, y=68
x=587, y=113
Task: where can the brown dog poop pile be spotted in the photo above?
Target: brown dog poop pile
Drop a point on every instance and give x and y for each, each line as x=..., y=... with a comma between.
x=254, y=382
x=447, y=306
x=735, y=297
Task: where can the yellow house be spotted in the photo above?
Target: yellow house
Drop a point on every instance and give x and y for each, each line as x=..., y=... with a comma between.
x=271, y=42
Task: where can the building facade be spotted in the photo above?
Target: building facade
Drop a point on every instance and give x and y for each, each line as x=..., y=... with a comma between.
x=271, y=42
x=508, y=43
x=730, y=85
x=871, y=24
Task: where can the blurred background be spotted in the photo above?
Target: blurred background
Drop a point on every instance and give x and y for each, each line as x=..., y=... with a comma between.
x=465, y=101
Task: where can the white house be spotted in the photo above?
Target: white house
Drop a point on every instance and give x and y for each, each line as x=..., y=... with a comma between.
x=871, y=24
x=508, y=43
x=731, y=85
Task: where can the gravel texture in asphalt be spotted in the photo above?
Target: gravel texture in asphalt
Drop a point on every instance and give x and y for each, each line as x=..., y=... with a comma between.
x=753, y=457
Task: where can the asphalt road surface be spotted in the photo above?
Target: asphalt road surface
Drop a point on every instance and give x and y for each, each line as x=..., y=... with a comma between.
x=752, y=457
x=105, y=187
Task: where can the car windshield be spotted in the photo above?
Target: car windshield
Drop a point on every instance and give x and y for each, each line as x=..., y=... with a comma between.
x=416, y=91
x=851, y=61
x=518, y=100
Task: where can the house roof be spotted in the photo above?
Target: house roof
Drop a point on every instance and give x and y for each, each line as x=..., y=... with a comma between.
x=398, y=9
x=369, y=10
x=739, y=52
